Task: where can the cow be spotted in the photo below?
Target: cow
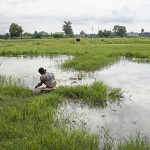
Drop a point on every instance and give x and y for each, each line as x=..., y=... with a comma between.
x=77, y=40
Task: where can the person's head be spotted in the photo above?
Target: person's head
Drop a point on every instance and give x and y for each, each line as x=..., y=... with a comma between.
x=42, y=70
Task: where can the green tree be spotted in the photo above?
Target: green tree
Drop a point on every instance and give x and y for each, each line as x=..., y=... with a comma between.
x=59, y=35
x=15, y=30
x=36, y=35
x=100, y=33
x=119, y=30
x=67, y=28
x=6, y=36
x=1, y=36
x=27, y=34
x=108, y=33
x=105, y=33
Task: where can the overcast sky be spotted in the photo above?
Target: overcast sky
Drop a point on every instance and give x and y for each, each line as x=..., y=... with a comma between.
x=49, y=15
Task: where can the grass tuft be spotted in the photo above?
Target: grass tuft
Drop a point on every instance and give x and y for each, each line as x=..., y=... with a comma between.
x=12, y=88
x=96, y=94
x=134, y=143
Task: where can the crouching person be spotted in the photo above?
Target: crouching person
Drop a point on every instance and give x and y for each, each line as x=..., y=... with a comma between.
x=47, y=78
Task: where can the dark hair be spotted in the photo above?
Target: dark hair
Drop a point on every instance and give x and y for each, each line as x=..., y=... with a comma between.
x=41, y=70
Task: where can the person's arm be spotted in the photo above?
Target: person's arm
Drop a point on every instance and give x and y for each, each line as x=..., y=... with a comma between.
x=39, y=84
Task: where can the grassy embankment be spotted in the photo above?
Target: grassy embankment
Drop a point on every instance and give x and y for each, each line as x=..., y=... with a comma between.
x=30, y=122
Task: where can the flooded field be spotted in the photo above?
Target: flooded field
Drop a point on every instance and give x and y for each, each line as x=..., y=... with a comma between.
x=133, y=78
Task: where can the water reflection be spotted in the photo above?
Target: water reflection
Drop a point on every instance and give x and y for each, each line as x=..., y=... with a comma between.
x=133, y=115
x=27, y=68
x=132, y=77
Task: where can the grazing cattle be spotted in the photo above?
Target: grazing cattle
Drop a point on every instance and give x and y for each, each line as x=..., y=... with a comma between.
x=77, y=40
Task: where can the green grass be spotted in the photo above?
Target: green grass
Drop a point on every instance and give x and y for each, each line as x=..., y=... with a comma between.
x=134, y=143
x=90, y=54
x=11, y=89
x=31, y=122
x=97, y=94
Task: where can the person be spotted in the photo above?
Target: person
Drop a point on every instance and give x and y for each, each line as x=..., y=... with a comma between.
x=47, y=78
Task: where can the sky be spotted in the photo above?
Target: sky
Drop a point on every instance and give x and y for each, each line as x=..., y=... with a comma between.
x=49, y=15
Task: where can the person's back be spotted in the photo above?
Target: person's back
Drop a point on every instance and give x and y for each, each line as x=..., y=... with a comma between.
x=48, y=79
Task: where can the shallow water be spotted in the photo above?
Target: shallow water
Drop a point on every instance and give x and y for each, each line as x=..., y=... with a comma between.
x=133, y=78
x=27, y=68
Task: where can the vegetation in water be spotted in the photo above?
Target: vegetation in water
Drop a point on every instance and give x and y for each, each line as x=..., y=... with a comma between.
x=90, y=54
x=135, y=143
x=31, y=122
x=97, y=94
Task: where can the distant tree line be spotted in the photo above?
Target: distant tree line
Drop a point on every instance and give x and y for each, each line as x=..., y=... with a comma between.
x=5, y=36
x=117, y=31
x=16, y=31
x=105, y=33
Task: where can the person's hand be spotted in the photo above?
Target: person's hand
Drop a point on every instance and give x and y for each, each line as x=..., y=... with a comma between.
x=36, y=86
